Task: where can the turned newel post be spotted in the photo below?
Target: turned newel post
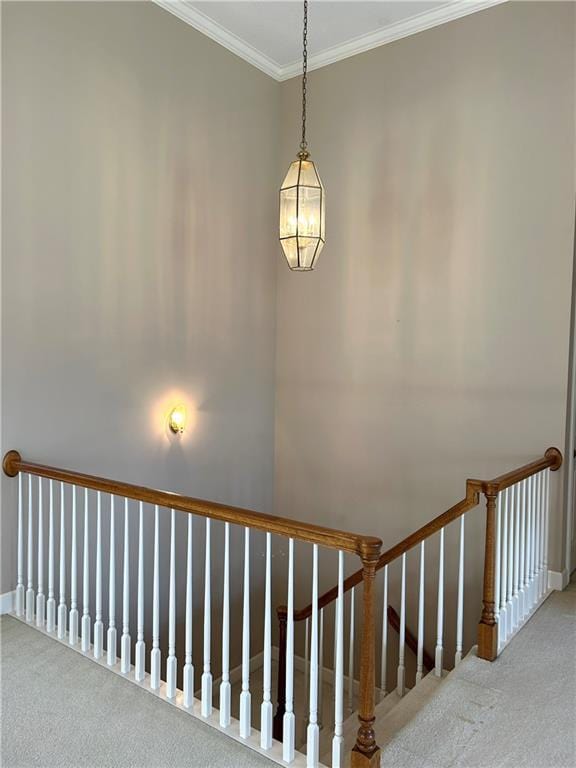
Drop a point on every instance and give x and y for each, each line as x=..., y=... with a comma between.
x=281, y=704
x=488, y=626
x=366, y=753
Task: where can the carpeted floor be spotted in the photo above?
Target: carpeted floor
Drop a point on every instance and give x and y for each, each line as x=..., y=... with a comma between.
x=60, y=710
x=517, y=712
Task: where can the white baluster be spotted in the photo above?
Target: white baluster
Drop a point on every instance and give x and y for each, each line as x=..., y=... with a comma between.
x=266, y=708
x=516, y=550
x=306, y=654
x=400, y=685
x=51, y=602
x=40, y=597
x=62, y=609
x=225, y=688
x=125, y=639
x=510, y=578
x=532, y=537
x=73, y=621
x=338, y=738
x=140, y=649
x=289, y=720
x=541, y=533
x=85, y=627
x=460, y=601
x=384, y=650
x=420, y=651
x=98, y=624
x=111, y=634
x=20, y=590
x=313, y=731
x=171, y=663
x=498, y=566
x=522, y=552
x=351, y=653
x=245, y=696
x=206, y=708
x=439, y=660
x=503, y=620
x=546, y=527
x=155, y=655
x=188, y=667
x=320, y=666
x=30, y=563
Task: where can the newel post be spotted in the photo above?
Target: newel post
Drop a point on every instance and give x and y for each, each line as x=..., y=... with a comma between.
x=277, y=726
x=366, y=753
x=488, y=626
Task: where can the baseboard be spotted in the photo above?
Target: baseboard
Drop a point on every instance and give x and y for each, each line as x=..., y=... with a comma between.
x=7, y=602
x=558, y=579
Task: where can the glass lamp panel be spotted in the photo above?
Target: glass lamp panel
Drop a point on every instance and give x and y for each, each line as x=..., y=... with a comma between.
x=291, y=178
x=288, y=208
x=309, y=211
x=307, y=248
x=308, y=175
x=290, y=249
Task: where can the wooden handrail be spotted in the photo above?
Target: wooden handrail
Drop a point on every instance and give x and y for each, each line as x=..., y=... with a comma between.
x=364, y=546
x=411, y=641
x=552, y=459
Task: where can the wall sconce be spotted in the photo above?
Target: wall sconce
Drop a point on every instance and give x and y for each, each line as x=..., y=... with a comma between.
x=177, y=419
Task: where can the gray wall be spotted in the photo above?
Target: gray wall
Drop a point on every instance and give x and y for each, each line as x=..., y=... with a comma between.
x=431, y=343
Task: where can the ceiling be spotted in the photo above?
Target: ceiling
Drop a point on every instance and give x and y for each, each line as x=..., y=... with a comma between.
x=268, y=33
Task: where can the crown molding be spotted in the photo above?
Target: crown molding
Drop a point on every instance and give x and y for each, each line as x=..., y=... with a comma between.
x=456, y=9
x=186, y=11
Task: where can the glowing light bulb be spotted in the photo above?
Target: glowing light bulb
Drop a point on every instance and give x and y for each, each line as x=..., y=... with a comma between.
x=177, y=419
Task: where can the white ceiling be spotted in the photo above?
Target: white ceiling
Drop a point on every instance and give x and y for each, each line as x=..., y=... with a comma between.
x=268, y=33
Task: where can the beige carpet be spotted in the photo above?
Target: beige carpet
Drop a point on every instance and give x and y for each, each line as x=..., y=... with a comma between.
x=517, y=712
x=62, y=710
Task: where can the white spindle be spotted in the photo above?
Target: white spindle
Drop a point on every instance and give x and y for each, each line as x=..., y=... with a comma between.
x=155, y=655
x=98, y=624
x=266, y=708
x=225, y=688
x=510, y=578
x=188, y=668
x=528, y=545
x=384, y=650
x=245, y=697
x=171, y=663
x=20, y=590
x=541, y=533
x=140, y=649
x=460, y=600
x=546, y=526
x=400, y=685
x=498, y=565
x=125, y=639
x=111, y=634
x=30, y=563
x=516, y=550
x=206, y=708
x=73, y=621
x=40, y=597
x=289, y=720
x=533, y=512
x=85, y=627
x=338, y=738
x=439, y=656
x=351, y=653
x=62, y=609
x=51, y=602
x=313, y=731
x=521, y=553
x=420, y=651
x=320, y=667
x=503, y=620
x=306, y=653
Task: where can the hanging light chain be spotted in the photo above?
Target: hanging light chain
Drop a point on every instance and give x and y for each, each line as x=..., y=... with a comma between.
x=304, y=143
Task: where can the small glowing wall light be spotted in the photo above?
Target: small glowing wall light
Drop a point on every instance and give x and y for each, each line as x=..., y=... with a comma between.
x=177, y=419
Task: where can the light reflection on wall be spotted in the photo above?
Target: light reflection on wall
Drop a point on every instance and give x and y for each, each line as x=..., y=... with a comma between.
x=160, y=415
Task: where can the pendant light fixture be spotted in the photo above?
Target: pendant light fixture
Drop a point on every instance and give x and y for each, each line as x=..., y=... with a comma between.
x=302, y=198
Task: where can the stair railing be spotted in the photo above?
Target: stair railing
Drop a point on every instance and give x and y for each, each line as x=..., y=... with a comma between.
x=42, y=488
x=514, y=582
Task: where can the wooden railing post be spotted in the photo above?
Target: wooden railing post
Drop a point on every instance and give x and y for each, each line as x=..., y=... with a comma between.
x=281, y=704
x=366, y=753
x=488, y=626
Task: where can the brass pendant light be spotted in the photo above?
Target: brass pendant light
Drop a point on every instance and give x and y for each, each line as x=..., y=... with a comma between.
x=302, y=197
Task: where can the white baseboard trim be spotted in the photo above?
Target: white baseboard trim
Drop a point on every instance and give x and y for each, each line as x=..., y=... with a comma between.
x=7, y=602
x=558, y=579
